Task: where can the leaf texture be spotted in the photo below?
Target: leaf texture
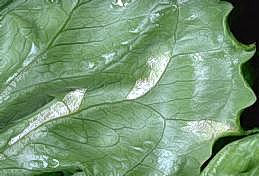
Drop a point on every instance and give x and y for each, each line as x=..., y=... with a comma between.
x=117, y=87
x=238, y=158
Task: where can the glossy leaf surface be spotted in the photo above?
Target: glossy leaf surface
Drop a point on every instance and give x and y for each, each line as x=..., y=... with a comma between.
x=238, y=158
x=117, y=88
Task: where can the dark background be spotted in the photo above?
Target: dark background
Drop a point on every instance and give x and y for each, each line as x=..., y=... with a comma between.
x=244, y=22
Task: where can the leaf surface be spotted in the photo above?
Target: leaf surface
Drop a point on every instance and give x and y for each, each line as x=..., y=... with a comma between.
x=117, y=88
x=238, y=158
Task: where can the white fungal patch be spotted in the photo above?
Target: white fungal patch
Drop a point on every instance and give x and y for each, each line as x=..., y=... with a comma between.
x=56, y=163
x=70, y=103
x=16, y=77
x=74, y=99
x=157, y=67
x=31, y=55
x=119, y=3
x=206, y=128
x=166, y=160
x=2, y=157
x=108, y=57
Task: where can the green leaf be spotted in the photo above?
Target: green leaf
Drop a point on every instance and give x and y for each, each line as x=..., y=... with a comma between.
x=117, y=88
x=238, y=158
